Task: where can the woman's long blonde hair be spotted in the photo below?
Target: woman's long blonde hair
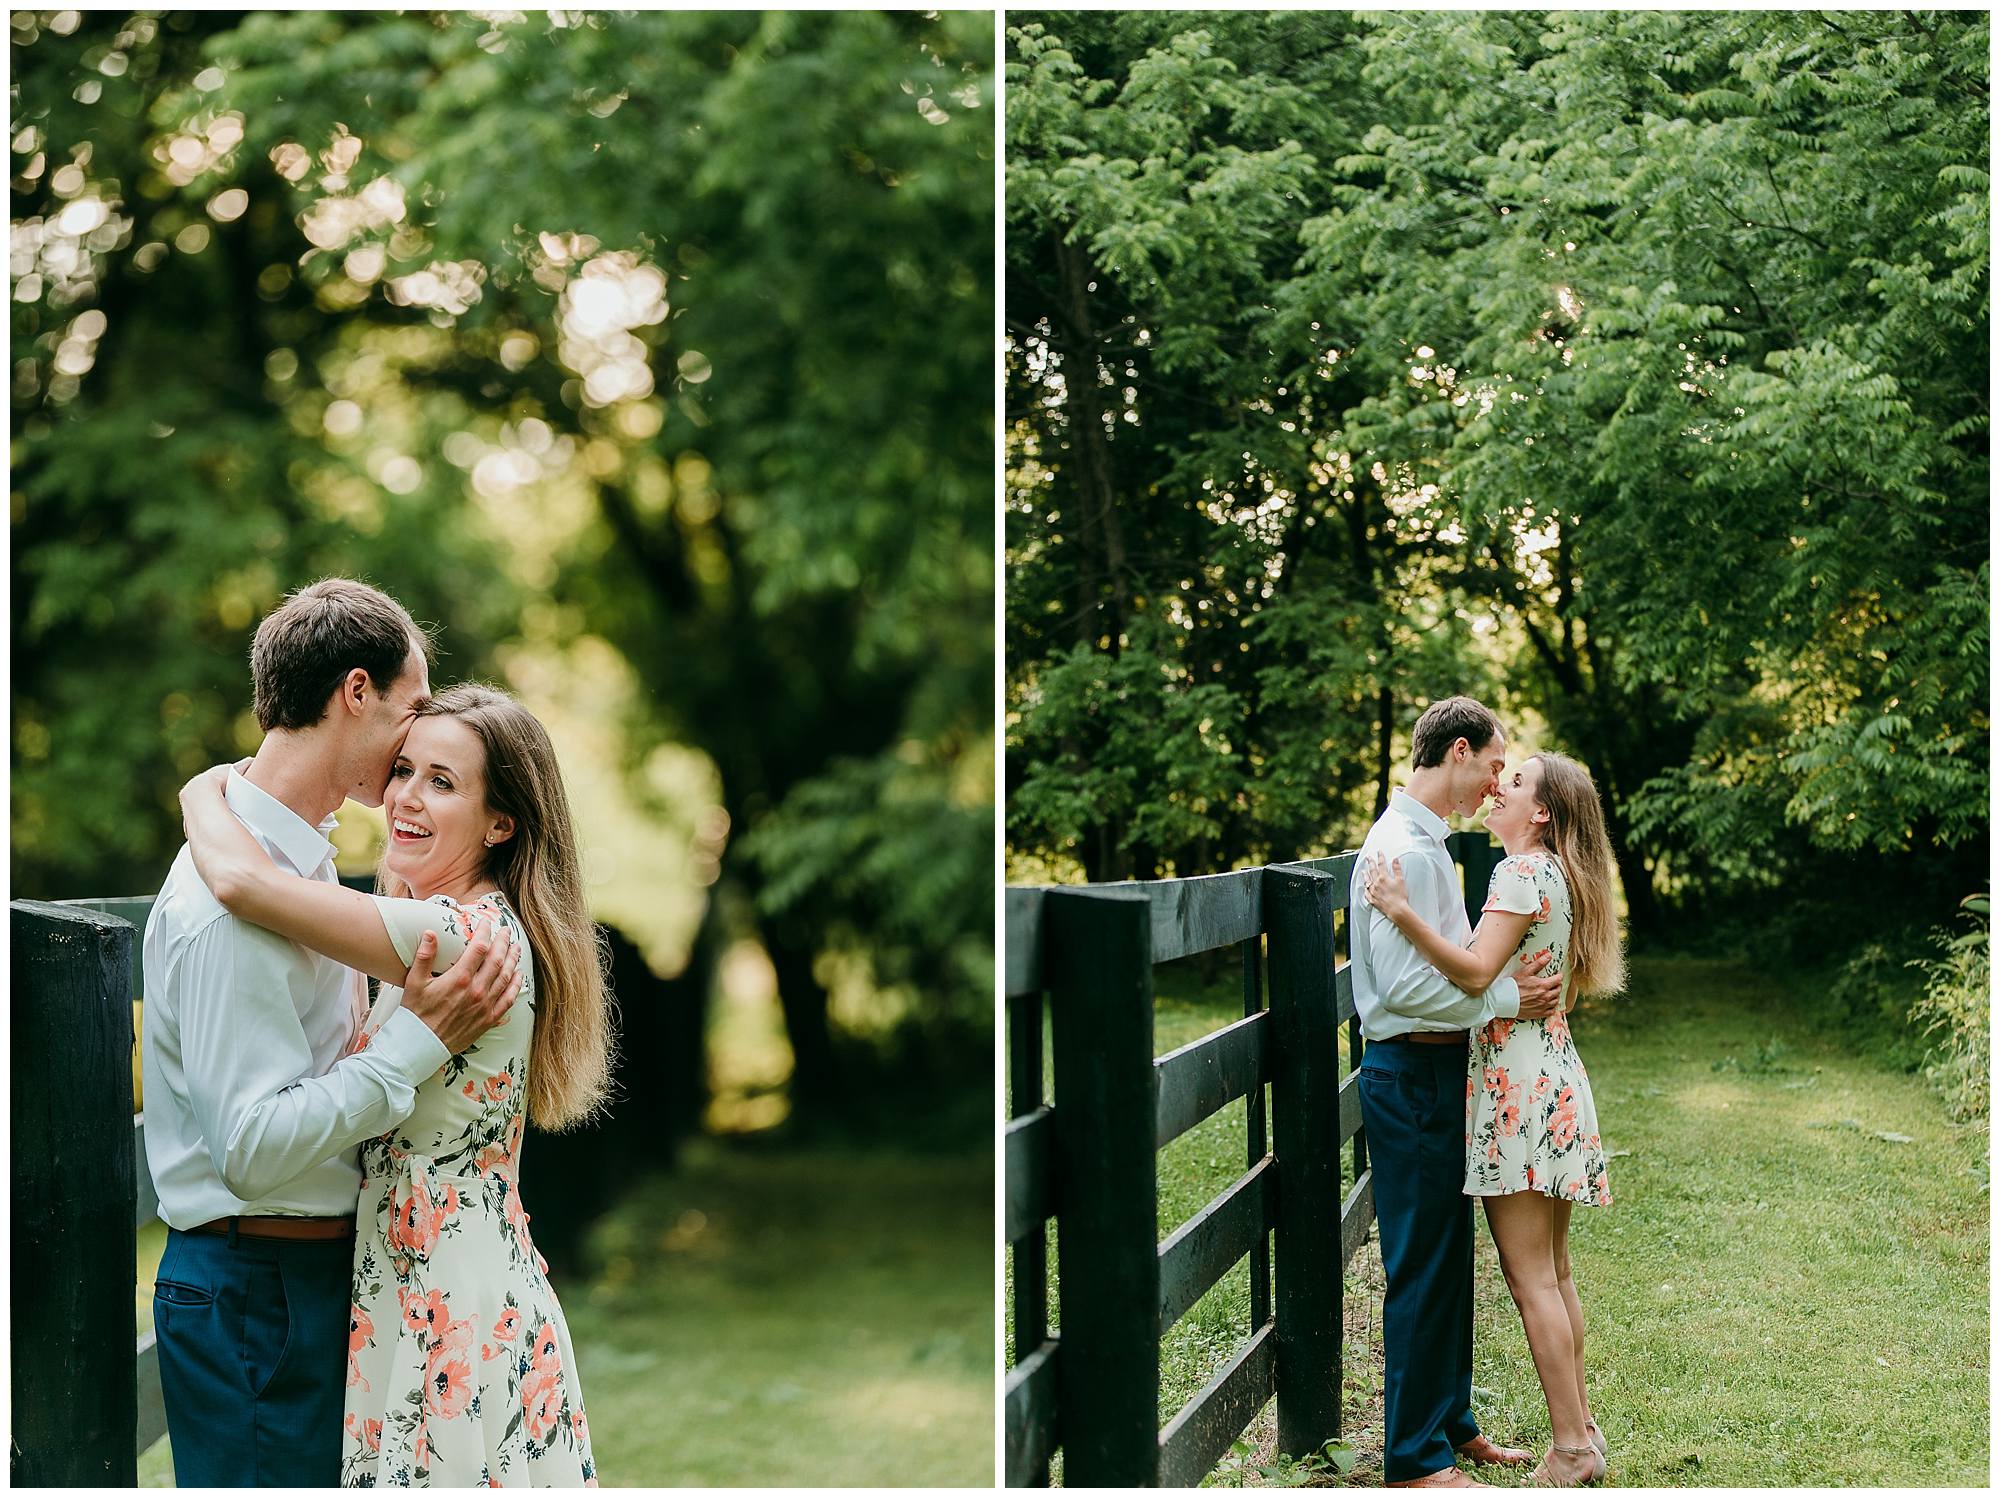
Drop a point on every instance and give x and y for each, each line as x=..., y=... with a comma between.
x=1576, y=836
x=569, y=1067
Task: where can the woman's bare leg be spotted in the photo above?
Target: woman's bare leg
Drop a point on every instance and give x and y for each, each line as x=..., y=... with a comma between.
x=1567, y=1286
x=1523, y=1227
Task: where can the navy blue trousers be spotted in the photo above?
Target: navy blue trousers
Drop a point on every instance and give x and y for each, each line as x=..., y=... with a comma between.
x=1413, y=1107
x=253, y=1358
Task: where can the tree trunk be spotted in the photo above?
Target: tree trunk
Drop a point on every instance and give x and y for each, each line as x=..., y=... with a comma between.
x=1643, y=903
x=1083, y=397
x=815, y=1075
x=1385, y=726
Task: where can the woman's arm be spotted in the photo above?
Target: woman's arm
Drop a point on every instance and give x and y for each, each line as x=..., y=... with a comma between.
x=1471, y=968
x=342, y=923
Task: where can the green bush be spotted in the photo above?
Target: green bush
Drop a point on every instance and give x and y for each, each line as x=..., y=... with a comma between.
x=1871, y=996
x=1954, y=1002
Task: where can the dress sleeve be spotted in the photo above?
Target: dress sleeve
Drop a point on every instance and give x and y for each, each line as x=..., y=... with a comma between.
x=1513, y=888
x=407, y=920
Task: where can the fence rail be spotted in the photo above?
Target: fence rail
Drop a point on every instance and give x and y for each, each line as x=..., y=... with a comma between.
x=1081, y=958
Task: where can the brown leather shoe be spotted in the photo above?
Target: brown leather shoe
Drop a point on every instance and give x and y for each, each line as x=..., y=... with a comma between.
x=1485, y=1453
x=1450, y=1477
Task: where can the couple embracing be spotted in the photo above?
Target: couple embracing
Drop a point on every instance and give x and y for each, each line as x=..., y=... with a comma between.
x=349, y=1293
x=1471, y=1084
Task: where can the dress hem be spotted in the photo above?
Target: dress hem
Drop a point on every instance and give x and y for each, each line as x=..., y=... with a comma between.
x=1575, y=1201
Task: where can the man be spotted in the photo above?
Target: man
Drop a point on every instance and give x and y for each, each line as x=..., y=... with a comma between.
x=254, y=1109
x=1416, y=1027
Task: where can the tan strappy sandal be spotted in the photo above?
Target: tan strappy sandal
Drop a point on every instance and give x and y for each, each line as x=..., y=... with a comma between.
x=1541, y=1477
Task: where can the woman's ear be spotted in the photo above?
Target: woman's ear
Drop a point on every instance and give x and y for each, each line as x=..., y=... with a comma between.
x=500, y=831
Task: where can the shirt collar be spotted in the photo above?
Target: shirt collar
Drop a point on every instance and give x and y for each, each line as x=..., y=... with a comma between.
x=304, y=846
x=1420, y=816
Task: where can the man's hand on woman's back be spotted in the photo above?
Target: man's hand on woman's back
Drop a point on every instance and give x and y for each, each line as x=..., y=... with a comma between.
x=1540, y=992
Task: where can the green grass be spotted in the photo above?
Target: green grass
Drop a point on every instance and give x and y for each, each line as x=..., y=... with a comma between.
x=1194, y=1169
x=779, y=1316
x=1778, y=1296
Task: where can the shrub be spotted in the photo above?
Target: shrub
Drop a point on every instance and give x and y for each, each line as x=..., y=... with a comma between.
x=1953, y=1007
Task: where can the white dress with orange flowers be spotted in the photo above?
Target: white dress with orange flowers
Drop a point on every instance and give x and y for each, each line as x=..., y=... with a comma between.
x=1530, y=1124
x=459, y=1369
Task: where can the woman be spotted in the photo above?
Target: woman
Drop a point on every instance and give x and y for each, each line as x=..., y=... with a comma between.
x=1532, y=1146
x=459, y=1364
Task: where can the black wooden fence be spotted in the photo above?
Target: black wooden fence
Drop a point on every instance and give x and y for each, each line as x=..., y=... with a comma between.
x=86, y=1392
x=1084, y=956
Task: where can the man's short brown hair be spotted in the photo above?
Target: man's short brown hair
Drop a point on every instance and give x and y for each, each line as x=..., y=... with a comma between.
x=1445, y=723
x=306, y=646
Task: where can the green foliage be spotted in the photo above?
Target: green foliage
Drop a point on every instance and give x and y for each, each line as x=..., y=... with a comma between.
x=1190, y=646
x=669, y=329
x=1656, y=338
x=1870, y=991
x=1956, y=1007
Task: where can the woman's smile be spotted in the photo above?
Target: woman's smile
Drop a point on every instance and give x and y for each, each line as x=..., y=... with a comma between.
x=440, y=828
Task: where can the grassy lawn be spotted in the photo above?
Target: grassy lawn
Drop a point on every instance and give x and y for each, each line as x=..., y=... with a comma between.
x=1779, y=1295
x=784, y=1316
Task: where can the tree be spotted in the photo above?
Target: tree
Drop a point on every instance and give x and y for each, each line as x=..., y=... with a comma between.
x=667, y=328
x=1202, y=618
x=1698, y=364
x=1649, y=339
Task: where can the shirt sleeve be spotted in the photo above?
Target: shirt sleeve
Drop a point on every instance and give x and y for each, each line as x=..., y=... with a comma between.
x=1409, y=985
x=1513, y=888
x=263, y=1119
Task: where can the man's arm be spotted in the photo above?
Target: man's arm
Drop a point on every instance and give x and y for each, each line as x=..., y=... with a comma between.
x=1471, y=968
x=262, y=1118
x=345, y=924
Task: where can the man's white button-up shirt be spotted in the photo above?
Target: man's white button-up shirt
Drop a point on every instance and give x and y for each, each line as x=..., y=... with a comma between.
x=1395, y=990
x=251, y=1106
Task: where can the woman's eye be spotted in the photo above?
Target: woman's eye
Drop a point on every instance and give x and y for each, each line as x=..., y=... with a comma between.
x=401, y=772
x=440, y=782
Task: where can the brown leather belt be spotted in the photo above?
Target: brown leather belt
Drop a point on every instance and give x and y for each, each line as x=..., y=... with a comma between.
x=309, y=1229
x=1425, y=1037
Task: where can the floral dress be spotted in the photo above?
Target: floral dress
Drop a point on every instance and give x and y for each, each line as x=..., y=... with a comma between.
x=1530, y=1123
x=459, y=1368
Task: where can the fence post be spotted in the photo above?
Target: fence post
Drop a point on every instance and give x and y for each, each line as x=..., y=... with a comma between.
x=1025, y=1001
x=75, y=1397
x=1305, y=1126
x=1098, y=962
x=1477, y=857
